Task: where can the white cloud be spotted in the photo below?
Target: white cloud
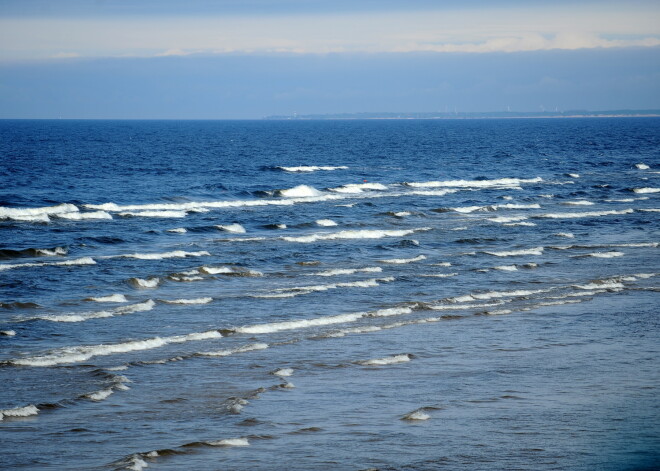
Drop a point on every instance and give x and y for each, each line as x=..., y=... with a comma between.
x=469, y=31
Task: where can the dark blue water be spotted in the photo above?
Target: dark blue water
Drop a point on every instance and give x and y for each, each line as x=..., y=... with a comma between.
x=399, y=295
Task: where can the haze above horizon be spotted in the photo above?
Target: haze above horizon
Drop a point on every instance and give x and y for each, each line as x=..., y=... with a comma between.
x=255, y=58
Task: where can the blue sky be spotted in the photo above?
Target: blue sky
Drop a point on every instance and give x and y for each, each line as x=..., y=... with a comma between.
x=252, y=58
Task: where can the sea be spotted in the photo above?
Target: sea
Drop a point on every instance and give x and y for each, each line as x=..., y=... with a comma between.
x=476, y=294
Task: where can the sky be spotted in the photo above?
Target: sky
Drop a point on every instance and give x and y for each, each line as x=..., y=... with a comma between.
x=246, y=59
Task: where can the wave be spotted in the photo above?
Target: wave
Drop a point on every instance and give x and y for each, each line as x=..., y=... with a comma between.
x=245, y=348
x=416, y=415
x=85, y=316
x=230, y=442
x=311, y=168
x=283, y=372
x=78, y=261
x=402, y=261
x=77, y=216
x=154, y=214
x=568, y=235
x=515, y=253
x=610, y=254
x=300, y=191
x=112, y=298
x=27, y=213
x=646, y=190
x=506, y=219
x=578, y=203
x=319, y=321
x=498, y=183
x=642, y=166
x=8, y=254
x=178, y=230
x=387, y=360
x=188, y=301
x=235, y=228
x=347, y=271
x=358, y=187
x=26, y=411
x=355, y=234
x=160, y=256
x=142, y=283
x=300, y=290
x=588, y=214
x=325, y=222
x=506, y=268
x=83, y=353
x=229, y=271
x=8, y=333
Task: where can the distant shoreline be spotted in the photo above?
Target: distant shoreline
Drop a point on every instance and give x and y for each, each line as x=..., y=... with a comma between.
x=476, y=115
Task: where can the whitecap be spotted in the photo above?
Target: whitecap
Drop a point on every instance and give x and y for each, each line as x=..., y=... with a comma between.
x=355, y=234
x=642, y=166
x=111, y=298
x=83, y=353
x=311, y=168
x=514, y=253
x=160, y=256
x=347, y=271
x=244, y=348
x=188, y=301
x=100, y=395
x=230, y=442
x=326, y=222
x=646, y=190
x=235, y=228
x=178, y=230
x=568, y=235
x=513, y=224
x=85, y=316
x=283, y=372
x=78, y=261
x=300, y=191
x=26, y=411
x=18, y=213
x=392, y=360
x=402, y=261
x=8, y=333
x=358, y=187
x=506, y=268
x=578, y=203
x=154, y=214
x=416, y=415
x=498, y=183
x=76, y=216
x=142, y=283
x=504, y=219
x=610, y=254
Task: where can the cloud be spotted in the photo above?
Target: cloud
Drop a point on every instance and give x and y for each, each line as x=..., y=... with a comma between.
x=65, y=55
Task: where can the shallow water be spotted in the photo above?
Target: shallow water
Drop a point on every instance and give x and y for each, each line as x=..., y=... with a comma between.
x=329, y=295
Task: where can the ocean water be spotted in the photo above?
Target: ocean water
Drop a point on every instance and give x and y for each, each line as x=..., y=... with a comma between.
x=346, y=295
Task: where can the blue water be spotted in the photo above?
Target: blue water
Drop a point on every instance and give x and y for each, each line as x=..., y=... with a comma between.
x=396, y=295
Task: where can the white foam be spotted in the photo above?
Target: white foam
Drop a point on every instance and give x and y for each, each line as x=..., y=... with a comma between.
x=178, y=230
x=646, y=190
x=244, y=348
x=299, y=324
x=358, y=234
x=358, y=187
x=8, y=333
x=51, y=252
x=416, y=415
x=326, y=222
x=26, y=411
x=100, y=395
x=401, y=214
x=517, y=206
x=347, y=271
x=85, y=316
x=78, y=261
x=499, y=183
x=230, y=442
x=154, y=214
x=299, y=290
x=111, y=298
x=235, y=228
x=401, y=261
x=451, y=307
x=188, y=301
x=505, y=219
x=386, y=361
x=470, y=209
x=610, y=254
x=284, y=372
x=651, y=210
x=439, y=275
x=18, y=213
x=513, y=224
x=574, y=175
x=83, y=353
x=603, y=284
x=312, y=168
x=441, y=264
x=76, y=216
x=584, y=214
x=229, y=271
x=506, y=268
x=514, y=253
x=579, y=203
x=300, y=191
x=642, y=166
x=148, y=283
x=137, y=463
x=568, y=235
x=160, y=256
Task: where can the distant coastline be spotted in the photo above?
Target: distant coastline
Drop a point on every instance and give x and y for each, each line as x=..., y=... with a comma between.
x=474, y=115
